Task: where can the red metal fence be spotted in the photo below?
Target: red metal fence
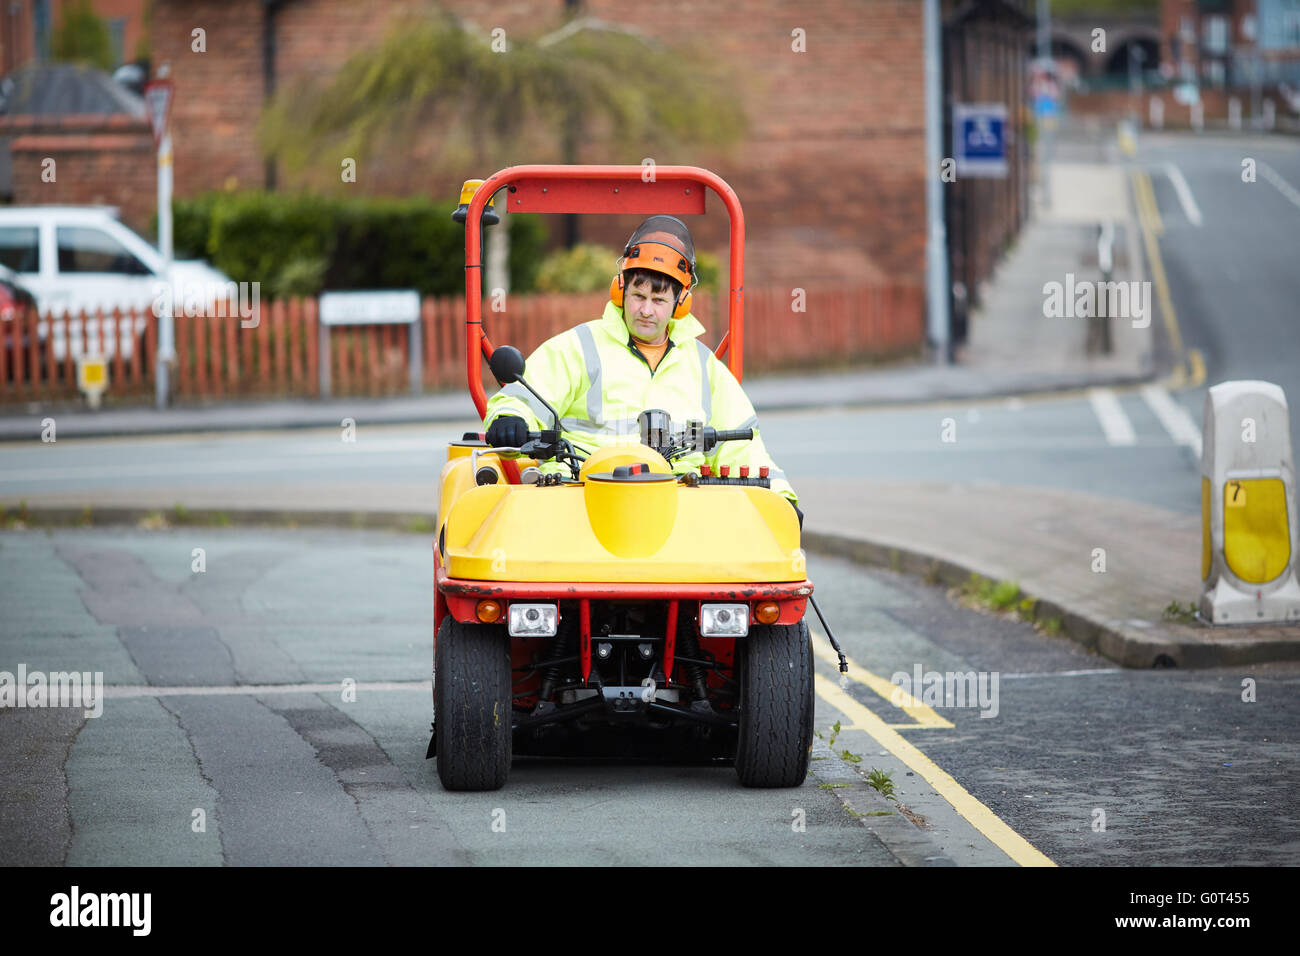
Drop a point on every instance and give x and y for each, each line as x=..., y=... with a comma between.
x=38, y=357
x=278, y=355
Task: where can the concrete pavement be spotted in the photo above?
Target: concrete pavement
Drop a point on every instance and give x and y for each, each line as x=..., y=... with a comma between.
x=1013, y=332
x=1102, y=569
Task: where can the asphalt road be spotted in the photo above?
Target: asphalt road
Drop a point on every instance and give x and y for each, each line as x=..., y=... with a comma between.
x=296, y=773
x=1184, y=771
x=1230, y=251
x=1050, y=441
x=191, y=729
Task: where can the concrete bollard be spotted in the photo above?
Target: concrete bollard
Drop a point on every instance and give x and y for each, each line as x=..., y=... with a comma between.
x=1196, y=116
x=1098, y=338
x=1127, y=135
x=1234, y=113
x=1157, y=113
x=1249, y=533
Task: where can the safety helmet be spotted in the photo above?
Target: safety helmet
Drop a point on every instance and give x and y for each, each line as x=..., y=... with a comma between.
x=661, y=244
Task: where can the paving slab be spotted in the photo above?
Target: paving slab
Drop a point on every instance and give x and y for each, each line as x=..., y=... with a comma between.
x=1053, y=544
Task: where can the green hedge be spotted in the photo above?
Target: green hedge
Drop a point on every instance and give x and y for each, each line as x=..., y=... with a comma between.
x=191, y=225
x=588, y=268
x=289, y=243
x=584, y=268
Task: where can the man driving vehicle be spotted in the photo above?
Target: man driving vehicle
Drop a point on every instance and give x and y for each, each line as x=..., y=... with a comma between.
x=643, y=352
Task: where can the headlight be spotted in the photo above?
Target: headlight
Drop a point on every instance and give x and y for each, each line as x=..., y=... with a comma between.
x=724, y=620
x=533, y=620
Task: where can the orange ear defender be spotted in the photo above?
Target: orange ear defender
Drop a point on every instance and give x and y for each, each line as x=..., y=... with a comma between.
x=662, y=244
x=681, y=307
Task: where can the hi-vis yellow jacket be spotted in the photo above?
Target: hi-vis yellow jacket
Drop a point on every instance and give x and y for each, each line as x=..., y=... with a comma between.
x=599, y=385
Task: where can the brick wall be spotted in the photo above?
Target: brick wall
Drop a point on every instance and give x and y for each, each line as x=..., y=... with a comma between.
x=18, y=28
x=132, y=13
x=17, y=37
x=218, y=92
x=830, y=176
x=1114, y=104
x=1173, y=12
x=101, y=160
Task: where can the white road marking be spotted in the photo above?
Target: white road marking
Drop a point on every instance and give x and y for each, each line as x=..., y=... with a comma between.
x=1110, y=414
x=1080, y=673
x=1190, y=209
x=1272, y=175
x=1175, y=419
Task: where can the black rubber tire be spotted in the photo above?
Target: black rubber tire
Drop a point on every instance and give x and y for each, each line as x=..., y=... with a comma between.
x=472, y=714
x=776, y=706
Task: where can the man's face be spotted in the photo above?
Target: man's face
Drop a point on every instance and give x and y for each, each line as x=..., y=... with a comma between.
x=647, y=313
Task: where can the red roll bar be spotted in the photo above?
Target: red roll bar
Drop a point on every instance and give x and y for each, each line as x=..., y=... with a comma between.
x=672, y=190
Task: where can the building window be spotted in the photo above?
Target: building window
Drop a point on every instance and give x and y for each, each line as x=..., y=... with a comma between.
x=1279, y=24
x=117, y=39
x=1216, y=34
x=41, y=30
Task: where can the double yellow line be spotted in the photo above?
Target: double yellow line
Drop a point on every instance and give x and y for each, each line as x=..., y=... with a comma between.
x=988, y=823
x=1189, y=372
x=1145, y=196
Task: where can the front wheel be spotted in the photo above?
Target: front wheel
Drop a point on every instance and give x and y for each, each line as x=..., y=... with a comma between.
x=472, y=714
x=776, y=706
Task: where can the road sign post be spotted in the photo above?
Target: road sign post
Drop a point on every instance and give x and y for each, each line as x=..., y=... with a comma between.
x=372, y=308
x=158, y=97
x=1045, y=97
x=92, y=375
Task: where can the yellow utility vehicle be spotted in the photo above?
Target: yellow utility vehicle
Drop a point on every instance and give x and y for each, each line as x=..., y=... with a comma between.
x=615, y=606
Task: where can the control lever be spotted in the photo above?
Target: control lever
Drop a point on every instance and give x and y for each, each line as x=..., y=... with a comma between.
x=713, y=436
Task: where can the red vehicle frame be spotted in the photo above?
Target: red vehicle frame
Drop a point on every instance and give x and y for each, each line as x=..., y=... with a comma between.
x=673, y=190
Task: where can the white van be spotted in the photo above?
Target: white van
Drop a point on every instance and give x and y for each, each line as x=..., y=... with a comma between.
x=81, y=257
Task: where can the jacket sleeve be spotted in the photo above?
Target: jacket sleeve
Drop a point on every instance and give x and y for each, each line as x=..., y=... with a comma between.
x=733, y=410
x=556, y=370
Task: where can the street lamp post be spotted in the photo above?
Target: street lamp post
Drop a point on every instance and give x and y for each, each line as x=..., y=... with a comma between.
x=166, y=327
x=158, y=95
x=936, y=244
x=1044, y=29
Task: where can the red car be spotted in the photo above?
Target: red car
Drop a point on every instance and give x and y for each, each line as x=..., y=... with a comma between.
x=14, y=301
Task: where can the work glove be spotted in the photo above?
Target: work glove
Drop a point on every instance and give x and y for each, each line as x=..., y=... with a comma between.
x=798, y=512
x=508, y=431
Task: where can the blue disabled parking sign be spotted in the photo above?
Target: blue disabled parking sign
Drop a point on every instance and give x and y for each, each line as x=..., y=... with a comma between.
x=980, y=139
